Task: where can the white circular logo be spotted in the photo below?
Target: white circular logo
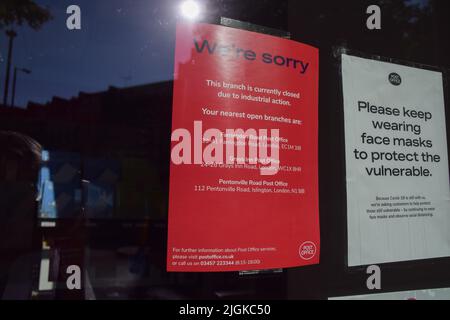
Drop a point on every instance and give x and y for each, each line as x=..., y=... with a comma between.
x=307, y=250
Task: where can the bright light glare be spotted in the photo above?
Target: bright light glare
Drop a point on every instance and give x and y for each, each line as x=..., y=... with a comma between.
x=190, y=9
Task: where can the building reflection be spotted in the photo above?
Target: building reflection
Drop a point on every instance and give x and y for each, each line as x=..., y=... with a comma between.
x=106, y=164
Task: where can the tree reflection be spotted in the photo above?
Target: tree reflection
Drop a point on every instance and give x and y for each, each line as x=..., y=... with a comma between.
x=18, y=12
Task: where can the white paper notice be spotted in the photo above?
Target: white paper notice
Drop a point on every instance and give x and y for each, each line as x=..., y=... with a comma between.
x=398, y=194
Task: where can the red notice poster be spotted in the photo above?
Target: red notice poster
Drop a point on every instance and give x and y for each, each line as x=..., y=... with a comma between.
x=244, y=172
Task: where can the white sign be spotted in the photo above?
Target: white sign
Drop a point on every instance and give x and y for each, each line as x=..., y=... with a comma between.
x=398, y=194
x=428, y=294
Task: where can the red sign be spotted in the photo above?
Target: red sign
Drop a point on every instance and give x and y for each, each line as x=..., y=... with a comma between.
x=244, y=171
